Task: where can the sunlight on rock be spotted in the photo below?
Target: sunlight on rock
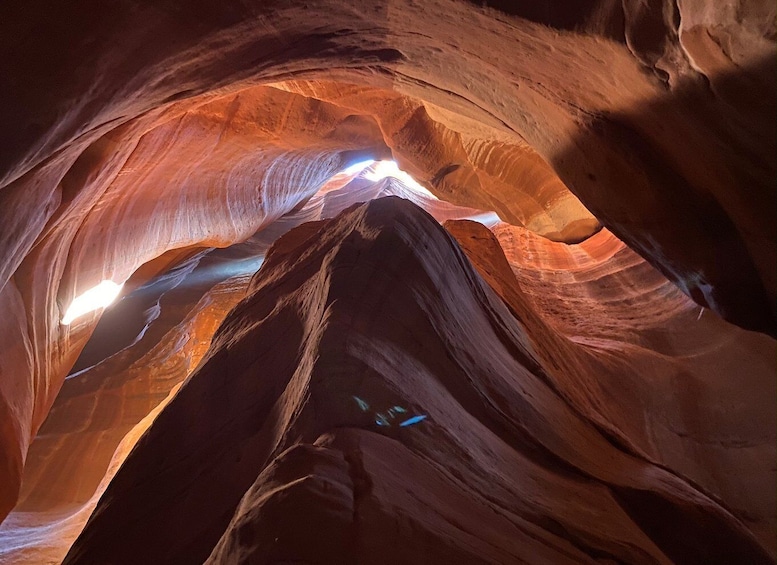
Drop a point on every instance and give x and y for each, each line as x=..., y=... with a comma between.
x=357, y=168
x=383, y=169
x=97, y=297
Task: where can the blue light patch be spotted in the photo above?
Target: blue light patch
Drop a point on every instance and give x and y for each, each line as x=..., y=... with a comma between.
x=412, y=421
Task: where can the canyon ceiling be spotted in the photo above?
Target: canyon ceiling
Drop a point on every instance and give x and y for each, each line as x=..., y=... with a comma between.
x=584, y=374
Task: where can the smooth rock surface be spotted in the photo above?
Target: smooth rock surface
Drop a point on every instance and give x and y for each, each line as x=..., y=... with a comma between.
x=142, y=349
x=134, y=136
x=352, y=326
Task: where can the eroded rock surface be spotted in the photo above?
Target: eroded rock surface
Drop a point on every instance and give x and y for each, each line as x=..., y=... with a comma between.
x=142, y=349
x=354, y=327
x=133, y=136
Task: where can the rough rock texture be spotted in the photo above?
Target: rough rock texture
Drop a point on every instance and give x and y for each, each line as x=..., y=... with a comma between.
x=134, y=135
x=274, y=449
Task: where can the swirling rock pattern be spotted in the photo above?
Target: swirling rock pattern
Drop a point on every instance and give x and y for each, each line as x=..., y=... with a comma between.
x=375, y=309
x=134, y=136
x=142, y=349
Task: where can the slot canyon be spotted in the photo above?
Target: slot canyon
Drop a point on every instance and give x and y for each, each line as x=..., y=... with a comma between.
x=395, y=281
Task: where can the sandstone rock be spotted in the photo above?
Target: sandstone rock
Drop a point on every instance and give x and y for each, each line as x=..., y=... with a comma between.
x=142, y=349
x=353, y=326
x=133, y=136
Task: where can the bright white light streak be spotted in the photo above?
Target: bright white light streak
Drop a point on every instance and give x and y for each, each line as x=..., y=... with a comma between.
x=95, y=298
x=383, y=169
x=357, y=167
x=488, y=219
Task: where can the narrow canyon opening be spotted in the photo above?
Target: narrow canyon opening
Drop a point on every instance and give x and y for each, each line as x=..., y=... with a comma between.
x=450, y=282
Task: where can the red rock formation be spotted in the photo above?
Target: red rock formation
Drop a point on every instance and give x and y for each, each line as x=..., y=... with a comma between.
x=599, y=313
x=142, y=349
x=133, y=136
x=352, y=327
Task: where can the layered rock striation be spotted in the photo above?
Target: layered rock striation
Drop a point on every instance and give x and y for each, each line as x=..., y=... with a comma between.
x=373, y=400
x=629, y=150
x=141, y=350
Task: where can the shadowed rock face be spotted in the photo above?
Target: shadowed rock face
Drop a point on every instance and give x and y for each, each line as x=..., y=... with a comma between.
x=288, y=442
x=142, y=349
x=134, y=138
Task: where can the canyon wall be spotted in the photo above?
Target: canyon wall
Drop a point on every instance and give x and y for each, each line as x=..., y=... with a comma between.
x=374, y=400
x=133, y=137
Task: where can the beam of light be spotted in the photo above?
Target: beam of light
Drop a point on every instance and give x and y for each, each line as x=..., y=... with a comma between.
x=95, y=298
x=382, y=169
x=357, y=168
